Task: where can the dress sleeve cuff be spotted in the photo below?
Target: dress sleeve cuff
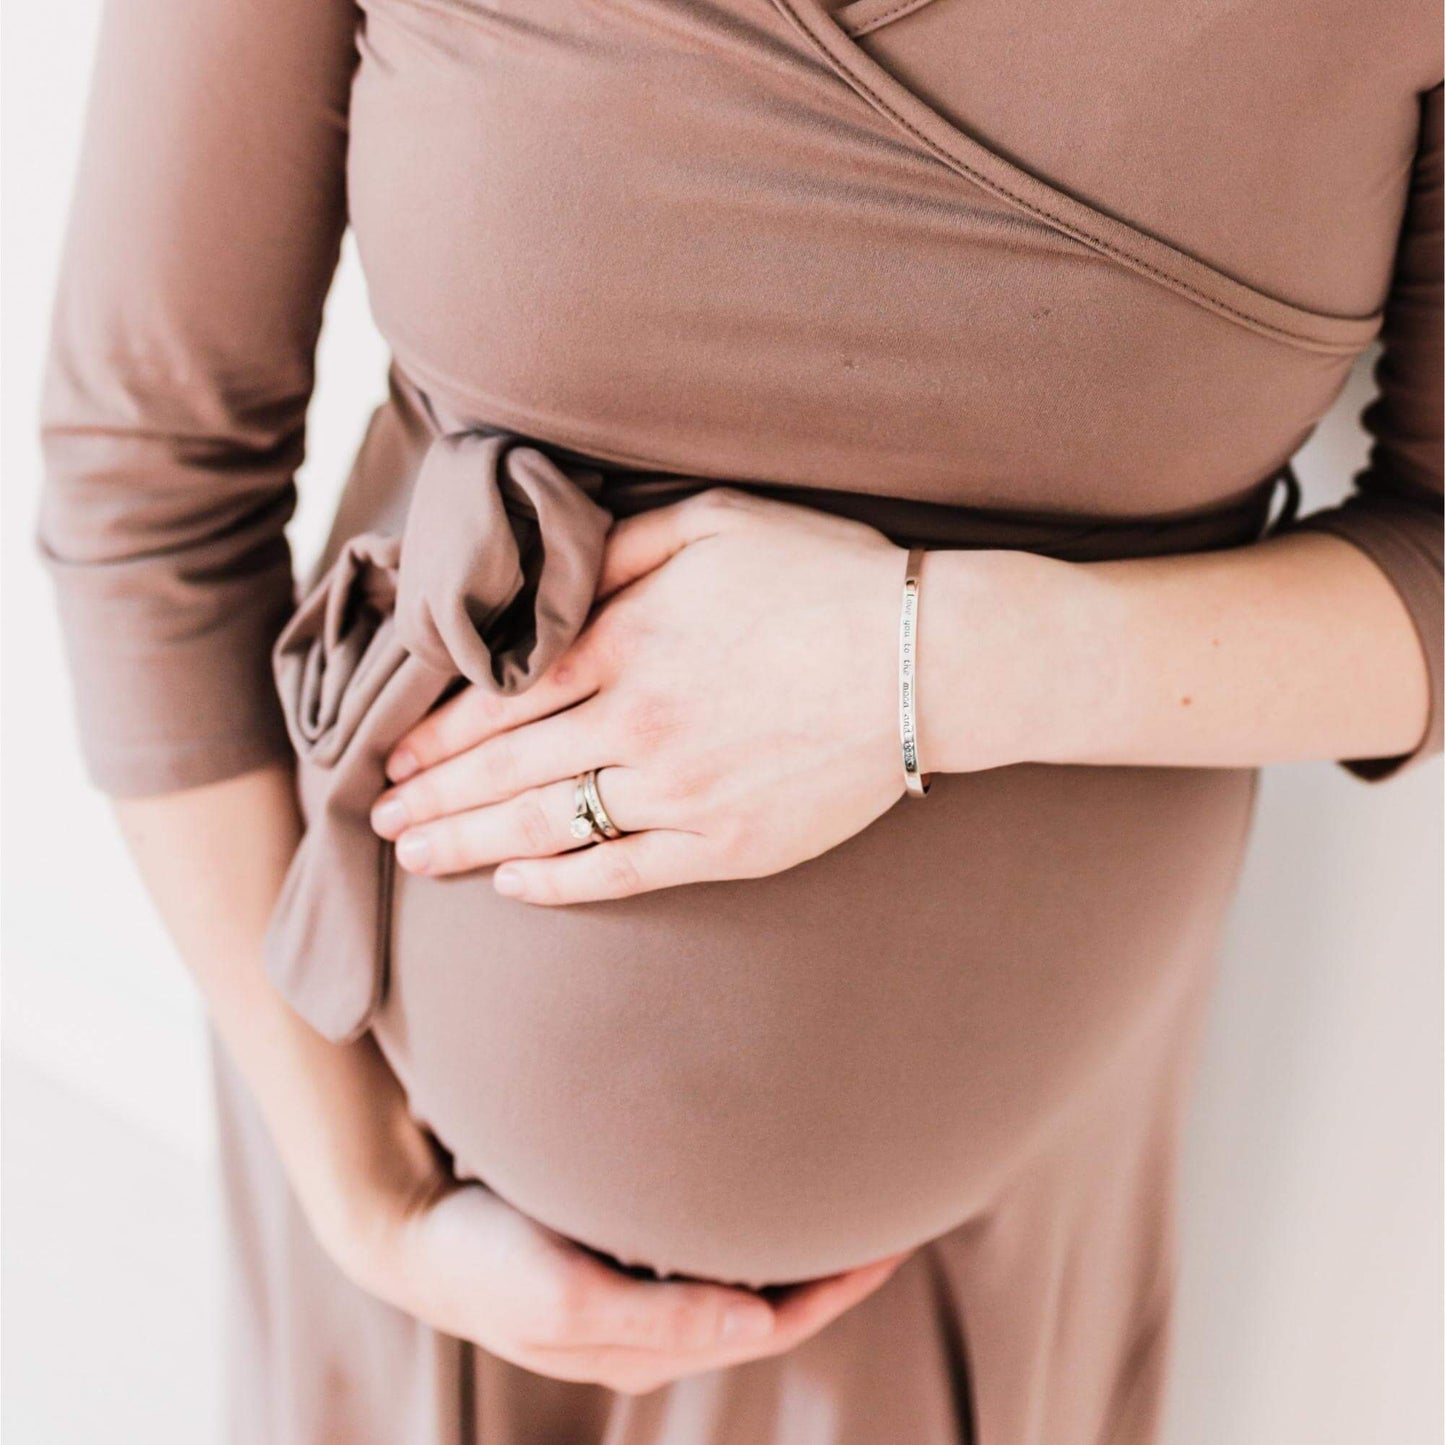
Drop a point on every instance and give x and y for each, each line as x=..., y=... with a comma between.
x=162, y=709
x=1405, y=545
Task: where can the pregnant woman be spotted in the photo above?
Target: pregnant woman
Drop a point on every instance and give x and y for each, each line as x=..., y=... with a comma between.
x=677, y=984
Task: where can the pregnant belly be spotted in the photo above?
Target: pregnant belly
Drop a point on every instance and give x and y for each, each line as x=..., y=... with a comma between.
x=768, y=1080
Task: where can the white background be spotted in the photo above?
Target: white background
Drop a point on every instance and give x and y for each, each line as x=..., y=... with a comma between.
x=1310, y=1310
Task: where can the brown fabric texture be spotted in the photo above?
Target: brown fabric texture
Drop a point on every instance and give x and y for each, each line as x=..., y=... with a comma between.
x=502, y=553
x=1080, y=281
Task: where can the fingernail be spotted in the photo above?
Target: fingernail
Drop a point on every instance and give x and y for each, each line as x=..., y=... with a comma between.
x=401, y=765
x=389, y=818
x=747, y=1322
x=413, y=851
x=507, y=881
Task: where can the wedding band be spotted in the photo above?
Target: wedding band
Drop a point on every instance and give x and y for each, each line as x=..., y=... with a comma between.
x=914, y=778
x=584, y=826
x=606, y=826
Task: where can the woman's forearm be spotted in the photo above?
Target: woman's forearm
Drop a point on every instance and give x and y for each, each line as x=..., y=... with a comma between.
x=213, y=859
x=1297, y=647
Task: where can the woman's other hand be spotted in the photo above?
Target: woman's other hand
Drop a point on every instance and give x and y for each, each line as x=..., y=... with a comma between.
x=380, y=1198
x=460, y=1259
x=737, y=687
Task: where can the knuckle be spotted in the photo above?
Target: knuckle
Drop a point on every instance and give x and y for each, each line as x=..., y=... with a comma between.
x=480, y=711
x=716, y=501
x=654, y=1326
x=692, y=1323
x=445, y=848
x=588, y=654
x=616, y=636
x=421, y=742
x=421, y=798
x=556, y=1312
x=731, y=836
x=649, y=717
x=534, y=827
x=540, y=886
x=619, y=874
x=686, y=783
x=568, y=670
x=496, y=766
x=453, y=726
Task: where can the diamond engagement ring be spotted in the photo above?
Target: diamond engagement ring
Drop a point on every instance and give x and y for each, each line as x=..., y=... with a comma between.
x=583, y=826
x=590, y=821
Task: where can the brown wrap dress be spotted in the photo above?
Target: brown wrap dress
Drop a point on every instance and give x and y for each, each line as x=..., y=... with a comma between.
x=1079, y=279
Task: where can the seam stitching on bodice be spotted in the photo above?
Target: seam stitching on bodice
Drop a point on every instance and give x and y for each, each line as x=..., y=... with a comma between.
x=1070, y=228
x=873, y=22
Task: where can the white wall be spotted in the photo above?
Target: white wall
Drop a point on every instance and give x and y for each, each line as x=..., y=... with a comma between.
x=1312, y=1257
x=1310, y=1310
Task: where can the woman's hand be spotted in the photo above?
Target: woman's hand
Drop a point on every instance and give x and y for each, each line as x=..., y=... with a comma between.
x=379, y=1197
x=737, y=686
x=460, y=1259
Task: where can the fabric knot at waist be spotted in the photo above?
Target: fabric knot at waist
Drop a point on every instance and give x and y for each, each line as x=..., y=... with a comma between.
x=491, y=579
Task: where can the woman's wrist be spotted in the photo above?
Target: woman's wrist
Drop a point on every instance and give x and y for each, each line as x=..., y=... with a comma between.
x=1292, y=648
x=1014, y=658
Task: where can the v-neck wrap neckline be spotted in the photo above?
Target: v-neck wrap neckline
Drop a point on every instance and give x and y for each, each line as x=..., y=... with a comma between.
x=835, y=36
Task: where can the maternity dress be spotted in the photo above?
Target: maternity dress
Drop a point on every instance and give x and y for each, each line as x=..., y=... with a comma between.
x=1078, y=278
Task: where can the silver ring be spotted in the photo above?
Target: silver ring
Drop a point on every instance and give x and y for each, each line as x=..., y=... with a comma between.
x=583, y=826
x=606, y=826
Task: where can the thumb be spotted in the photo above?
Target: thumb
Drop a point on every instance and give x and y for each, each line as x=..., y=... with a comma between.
x=641, y=544
x=805, y=1309
x=672, y=1317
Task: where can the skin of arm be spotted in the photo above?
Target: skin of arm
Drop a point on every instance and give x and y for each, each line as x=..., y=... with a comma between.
x=376, y=1192
x=738, y=685
x=1293, y=648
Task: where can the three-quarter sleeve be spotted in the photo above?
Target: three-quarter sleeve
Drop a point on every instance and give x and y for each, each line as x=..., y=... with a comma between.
x=205, y=225
x=1394, y=512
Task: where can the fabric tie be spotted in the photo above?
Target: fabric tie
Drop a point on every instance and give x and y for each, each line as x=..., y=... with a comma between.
x=492, y=580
